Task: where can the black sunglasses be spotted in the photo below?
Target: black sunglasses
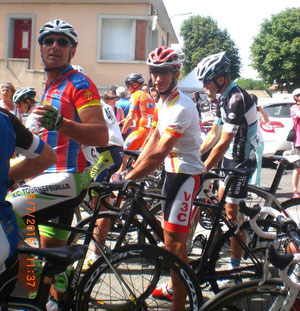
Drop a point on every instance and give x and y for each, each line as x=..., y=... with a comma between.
x=161, y=71
x=62, y=42
x=206, y=81
x=112, y=98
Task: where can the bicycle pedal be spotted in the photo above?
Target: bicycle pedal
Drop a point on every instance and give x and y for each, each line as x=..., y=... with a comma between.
x=200, y=241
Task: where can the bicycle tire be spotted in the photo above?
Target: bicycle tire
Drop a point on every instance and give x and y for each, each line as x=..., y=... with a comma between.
x=21, y=306
x=257, y=196
x=292, y=207
x=247, y=296
x=142, y=267
x=219, y=274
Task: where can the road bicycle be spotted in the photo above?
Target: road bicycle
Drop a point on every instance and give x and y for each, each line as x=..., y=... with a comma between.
x=266, y=294
x=267, y=197
x=210, y=255
x=124, y=278
x=56, y=261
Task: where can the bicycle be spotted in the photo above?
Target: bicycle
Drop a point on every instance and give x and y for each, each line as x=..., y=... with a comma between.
x=56, y=261
x=206, y=262
x=133, y=272
x=265, y=294
x=266, y=197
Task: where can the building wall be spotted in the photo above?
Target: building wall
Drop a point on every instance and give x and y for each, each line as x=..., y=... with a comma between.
x=85, y=19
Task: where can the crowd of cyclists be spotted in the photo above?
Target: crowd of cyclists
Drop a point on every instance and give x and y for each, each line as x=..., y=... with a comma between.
x=73, y=128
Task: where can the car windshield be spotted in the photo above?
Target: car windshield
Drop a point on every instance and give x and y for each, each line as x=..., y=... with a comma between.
x=278, y=111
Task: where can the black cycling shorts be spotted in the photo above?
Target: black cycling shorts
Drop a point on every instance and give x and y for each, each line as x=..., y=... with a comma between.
x=239, y=187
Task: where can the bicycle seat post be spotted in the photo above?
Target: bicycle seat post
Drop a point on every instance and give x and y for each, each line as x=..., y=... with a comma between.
x=277, y=178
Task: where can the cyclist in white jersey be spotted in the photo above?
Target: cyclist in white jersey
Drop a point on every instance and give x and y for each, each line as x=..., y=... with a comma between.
x=176, y=141
x=24, y=99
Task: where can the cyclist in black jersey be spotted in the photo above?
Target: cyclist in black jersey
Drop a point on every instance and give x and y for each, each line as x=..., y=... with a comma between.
x=236, y=111
x=39, y=156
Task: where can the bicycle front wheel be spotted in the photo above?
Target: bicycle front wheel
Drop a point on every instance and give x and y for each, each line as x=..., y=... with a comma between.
x=248, y=296
x=292, y=207
x=138, y=269
x=220, y=272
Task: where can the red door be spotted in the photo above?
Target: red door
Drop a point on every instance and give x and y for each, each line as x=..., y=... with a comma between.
x=22, y=38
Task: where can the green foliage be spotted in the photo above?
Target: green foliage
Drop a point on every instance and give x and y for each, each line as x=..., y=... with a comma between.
x=250, y=84
x=202, y=37
x=276, y=50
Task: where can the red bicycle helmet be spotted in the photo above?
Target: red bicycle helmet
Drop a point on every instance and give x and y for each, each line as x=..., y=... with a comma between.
x=164, y=56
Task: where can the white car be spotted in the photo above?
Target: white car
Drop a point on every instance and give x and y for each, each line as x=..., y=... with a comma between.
x=275, y=132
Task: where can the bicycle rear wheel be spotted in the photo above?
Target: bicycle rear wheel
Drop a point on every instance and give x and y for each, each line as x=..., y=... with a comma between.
x=141, y=268
x=247, y=296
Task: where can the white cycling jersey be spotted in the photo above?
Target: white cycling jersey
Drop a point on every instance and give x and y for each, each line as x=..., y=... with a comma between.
x=178, y=117
x=114, y=132
x=31, y=123
x=115, y=137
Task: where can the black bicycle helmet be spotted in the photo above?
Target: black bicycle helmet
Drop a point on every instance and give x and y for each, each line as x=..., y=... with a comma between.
x=23, y=94
x=213, y=66
x=134, y=77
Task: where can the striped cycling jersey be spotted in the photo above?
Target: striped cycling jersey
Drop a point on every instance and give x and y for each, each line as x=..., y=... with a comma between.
x=142, y=106
x=237, y=111
x=178, y=117
x=69, y=94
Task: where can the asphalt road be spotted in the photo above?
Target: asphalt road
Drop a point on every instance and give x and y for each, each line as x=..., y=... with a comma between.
x=285, y=190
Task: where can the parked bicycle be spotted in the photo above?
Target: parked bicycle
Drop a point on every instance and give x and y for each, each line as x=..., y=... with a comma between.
x=267, y=294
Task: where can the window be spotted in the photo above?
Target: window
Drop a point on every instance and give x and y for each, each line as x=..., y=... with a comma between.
x=122, y=38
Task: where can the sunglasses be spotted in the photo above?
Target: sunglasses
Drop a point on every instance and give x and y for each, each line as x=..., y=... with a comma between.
x=112, y=98
x=206, y=81
x=62, y=42
x=161, y=71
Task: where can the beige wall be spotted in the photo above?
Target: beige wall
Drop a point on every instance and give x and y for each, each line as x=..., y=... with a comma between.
x=84, y=19
x=16, y=72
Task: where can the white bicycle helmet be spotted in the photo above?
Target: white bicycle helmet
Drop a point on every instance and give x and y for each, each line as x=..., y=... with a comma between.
x=58, y=26
x=213, y=66
x=24, y=93
x=164, y=56
x=296, y=92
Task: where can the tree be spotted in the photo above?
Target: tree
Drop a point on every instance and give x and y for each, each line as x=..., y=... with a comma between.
x=276, y=50
x=250, y=84
x=202, y=37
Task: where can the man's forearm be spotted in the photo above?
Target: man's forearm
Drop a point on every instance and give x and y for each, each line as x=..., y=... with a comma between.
x=216, y=156
x=144, y=167
x=33, y=167
x=147, y=149
x=207, y=143
x=90, y=134
x=127, y=124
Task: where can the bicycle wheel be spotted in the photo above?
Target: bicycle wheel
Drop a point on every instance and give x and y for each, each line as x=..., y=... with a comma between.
x=22, y=305
x=135, y=229
x=220, y=272
x=141, y=268
x=257, y=196
x=248, y=296
x=292, y=207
